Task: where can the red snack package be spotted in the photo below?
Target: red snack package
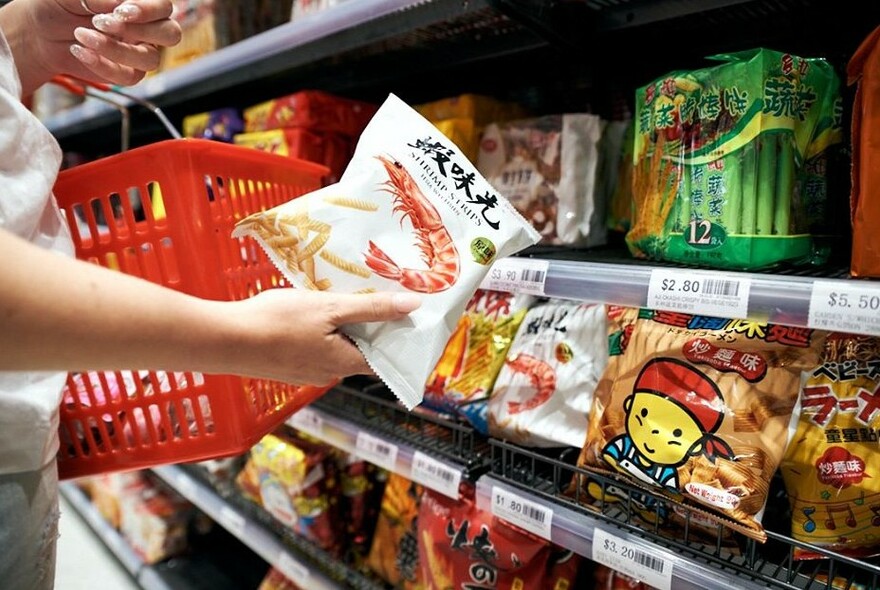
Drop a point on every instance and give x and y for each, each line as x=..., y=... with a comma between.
x=317, y=111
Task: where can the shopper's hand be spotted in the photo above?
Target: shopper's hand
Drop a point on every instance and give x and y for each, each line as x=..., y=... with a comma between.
x=292, y=335
x=118, y=44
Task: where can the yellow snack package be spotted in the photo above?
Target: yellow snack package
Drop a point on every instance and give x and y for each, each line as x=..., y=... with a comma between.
x=698, y=409
x=832, y=467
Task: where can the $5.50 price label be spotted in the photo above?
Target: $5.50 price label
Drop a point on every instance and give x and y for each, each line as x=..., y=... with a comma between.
x=699, y=293
x=845, y=306
x=517, y=275
x=528, y=515
x=653, y=568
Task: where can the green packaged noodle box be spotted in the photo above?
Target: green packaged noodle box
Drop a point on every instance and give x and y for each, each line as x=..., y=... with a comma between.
x=730, y=162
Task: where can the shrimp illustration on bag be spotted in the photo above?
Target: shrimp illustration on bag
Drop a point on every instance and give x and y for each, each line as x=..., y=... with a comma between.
x=410, y=213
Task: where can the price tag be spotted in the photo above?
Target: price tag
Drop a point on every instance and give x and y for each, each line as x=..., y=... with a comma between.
x=295, y=571
x=700, y=293
x=517, y=275
x=232, y=521
x=185, y=485
x=845, y=306
x=377, y=451
x=436, y=475
x=653, y=568
x=308, y=421
x=515, y=509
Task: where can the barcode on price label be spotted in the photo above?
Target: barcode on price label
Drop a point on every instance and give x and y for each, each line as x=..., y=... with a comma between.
x=232, y=521
x=700, y=293
x=522, y=512
x=308, y=421
x=845, y=306
x=649, y=566
x=377, y=451
x=295, y=571
x=517, y=275
x=436, y=475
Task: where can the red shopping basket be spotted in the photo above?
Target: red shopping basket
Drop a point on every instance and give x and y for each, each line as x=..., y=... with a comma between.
x=165, y=212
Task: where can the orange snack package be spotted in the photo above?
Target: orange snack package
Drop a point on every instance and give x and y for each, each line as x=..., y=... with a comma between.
x=864, y=70
x=698, y=409
x=831, y=468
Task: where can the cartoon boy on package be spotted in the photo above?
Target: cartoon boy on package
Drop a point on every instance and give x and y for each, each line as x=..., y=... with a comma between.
x=672, y=415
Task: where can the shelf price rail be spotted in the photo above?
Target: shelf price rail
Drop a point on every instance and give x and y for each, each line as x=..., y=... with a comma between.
x=432, y=451
x=534, y=491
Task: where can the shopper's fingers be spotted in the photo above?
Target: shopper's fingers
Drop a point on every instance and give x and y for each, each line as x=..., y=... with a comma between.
x=144, y=11
x=372, y=307
x=348, y=358
x=137, y=57
x=163, y=33
x=92, y=7
x=103, y=69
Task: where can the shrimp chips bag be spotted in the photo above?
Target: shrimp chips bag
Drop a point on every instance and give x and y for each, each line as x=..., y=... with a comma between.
x=698, y=409
x=544, y=391
x=410, y=213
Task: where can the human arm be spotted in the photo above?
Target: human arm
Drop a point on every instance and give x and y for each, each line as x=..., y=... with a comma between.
x=41, y=34
x=58, y=313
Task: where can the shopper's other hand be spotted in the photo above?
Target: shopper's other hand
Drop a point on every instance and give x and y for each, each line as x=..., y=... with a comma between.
x=293, y=335
x=118, y=44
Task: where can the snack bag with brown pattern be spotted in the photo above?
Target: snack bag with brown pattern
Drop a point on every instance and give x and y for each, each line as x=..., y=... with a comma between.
x=698, y=410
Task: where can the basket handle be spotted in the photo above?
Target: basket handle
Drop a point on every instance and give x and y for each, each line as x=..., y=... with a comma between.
x=78, y=88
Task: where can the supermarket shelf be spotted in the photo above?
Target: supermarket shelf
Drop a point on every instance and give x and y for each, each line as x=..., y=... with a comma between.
x=394, y=453
x=148, y=577
x=255, y=535
x=540, y=489
x=776, y=298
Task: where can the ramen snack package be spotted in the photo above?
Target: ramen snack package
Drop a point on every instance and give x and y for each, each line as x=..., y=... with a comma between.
x=410, y=213
x=394, y=555
x=361, y=486
x=313, y=110
x=547, y=168
x=832, y=467
x=730, y=161
x=463, y=547
x=698, y=409
x=464, y=376
x=605, y=578
x=544, y=391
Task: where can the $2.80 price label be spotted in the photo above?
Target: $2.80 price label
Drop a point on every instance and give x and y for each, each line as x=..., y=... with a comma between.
x=651, y=567
x=700, y=293
x=515, y=509
x=845, y=306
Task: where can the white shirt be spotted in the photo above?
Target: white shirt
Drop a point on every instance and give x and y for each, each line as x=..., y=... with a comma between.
x=29, y=162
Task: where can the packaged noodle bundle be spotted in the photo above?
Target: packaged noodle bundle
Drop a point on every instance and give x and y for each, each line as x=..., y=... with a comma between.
x=394, y=555
x=730, y=161
x=544, y=391
x=832, y=468
x=405, y=184
x=464, y=376
x=697, y=408
x=547, y=168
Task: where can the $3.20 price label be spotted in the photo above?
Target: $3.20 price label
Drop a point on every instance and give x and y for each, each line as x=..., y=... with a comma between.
x=517, y=275
x=845, y=306
x=651, y=567
x=528, y=515
x=376, y=451
x=699, y=293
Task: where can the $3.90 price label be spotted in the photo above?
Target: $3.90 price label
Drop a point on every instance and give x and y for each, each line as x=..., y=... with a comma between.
x=845, y=306
x=528, y=515
x=699, y=293
x=517, y=275
x=376, y=451
x=652, y=568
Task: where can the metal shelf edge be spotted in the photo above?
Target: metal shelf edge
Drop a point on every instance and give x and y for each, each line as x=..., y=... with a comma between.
x=575, y=531
x=146, y=577
x=344, y=435
x=262, y=541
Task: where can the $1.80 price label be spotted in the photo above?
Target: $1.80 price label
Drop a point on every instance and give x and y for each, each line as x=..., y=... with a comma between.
x=700, y=293
x=651, y=567
x=515, y=509
x=845, y=306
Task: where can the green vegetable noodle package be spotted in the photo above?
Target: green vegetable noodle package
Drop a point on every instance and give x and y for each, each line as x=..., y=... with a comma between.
x=730, y=162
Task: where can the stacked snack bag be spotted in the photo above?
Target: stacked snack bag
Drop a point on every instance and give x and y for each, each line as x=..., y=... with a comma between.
x=730, y=161
x=394, y=555
x=832, y=467
x=219, y=125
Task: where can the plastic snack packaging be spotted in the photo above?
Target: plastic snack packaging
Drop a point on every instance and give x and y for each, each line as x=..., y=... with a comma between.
x=730, y=162
x=219, y=125
x=275, y=580
x=547, y=168
x=410, y=213
x=463, y=378
x=831, y=467
x=864, y=70
x=544, y=391
x=394, y=555
x=698, y=409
